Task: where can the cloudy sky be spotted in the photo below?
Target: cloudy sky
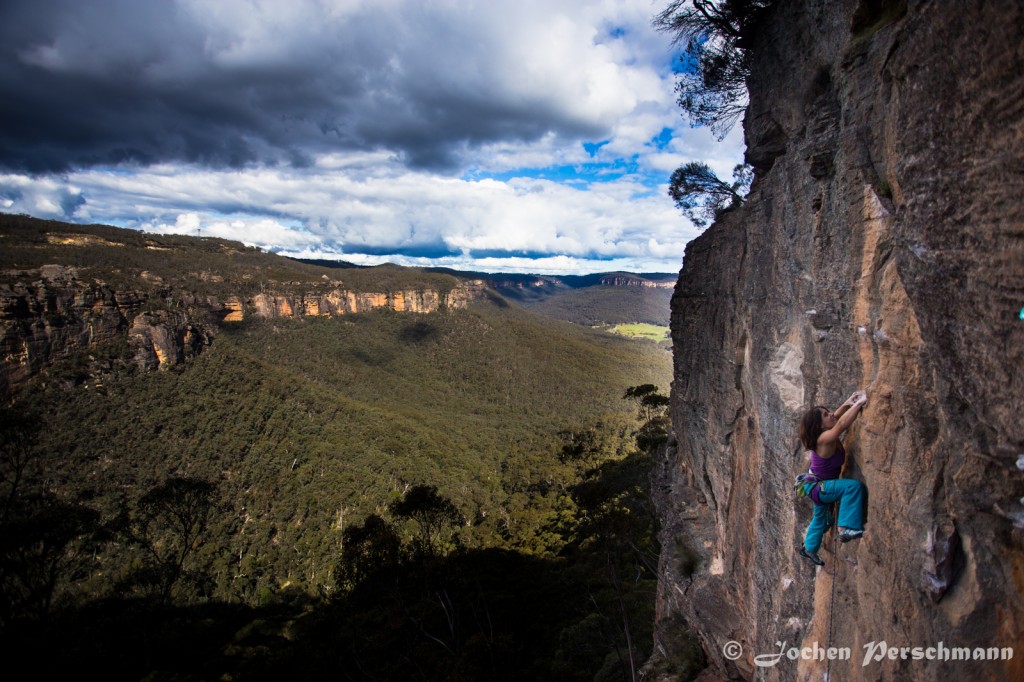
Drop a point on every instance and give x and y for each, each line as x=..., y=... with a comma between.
x=532, y=136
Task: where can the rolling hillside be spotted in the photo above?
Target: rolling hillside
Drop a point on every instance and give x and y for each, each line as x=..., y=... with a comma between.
x=601, y=299
x=607, y=305
x=202, y=266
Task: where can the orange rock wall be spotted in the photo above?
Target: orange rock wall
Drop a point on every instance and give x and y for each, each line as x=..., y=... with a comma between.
x=881, y=248
x=341, y=302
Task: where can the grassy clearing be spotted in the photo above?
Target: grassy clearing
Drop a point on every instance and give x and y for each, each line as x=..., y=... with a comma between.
x=641, y=330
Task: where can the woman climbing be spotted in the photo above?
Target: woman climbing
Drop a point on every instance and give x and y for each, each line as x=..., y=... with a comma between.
x=820, y=431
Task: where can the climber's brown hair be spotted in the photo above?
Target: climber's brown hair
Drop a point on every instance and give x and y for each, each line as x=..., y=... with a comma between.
x=811, y=426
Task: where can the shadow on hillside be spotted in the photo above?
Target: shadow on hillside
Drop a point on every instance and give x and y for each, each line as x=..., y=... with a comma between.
x=481, y=614
x=411, y=614
x=576, y=603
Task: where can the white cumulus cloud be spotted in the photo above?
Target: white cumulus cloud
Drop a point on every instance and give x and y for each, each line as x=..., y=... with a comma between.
x=529, y=135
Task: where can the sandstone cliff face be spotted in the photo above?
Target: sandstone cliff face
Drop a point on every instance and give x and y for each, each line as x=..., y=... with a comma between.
x=341, y=302
x=166, y=338
x=50, y=314
x=882, y=247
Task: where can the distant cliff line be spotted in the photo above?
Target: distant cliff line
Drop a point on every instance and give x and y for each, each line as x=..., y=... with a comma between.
x=342, y=302
x=612, y=279
x=50, y=314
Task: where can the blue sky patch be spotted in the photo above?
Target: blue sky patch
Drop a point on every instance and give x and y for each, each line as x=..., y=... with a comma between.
x=585, y=173
x=436, y=250
x=662, y=139
x=592, y=147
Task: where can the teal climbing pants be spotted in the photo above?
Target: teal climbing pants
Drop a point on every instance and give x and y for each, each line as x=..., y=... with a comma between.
x=850, y=494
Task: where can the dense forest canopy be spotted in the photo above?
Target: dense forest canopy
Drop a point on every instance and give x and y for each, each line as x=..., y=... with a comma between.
x=468, y=487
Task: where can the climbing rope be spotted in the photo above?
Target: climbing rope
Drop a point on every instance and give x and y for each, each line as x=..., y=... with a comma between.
x=835, y=575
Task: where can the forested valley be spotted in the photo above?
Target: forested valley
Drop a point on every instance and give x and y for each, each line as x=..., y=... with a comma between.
x=386, y=495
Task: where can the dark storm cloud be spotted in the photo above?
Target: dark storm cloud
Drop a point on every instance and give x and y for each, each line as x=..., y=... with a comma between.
x=109, y=82
x=141, y=113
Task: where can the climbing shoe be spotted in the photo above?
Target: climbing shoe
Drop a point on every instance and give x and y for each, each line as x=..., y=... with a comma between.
x=847, y=535
x=813, y=556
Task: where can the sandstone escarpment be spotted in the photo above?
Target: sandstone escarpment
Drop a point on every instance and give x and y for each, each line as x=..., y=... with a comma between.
x=51, y=314
x=166, y=338
x=342, y=302
x=882, y=247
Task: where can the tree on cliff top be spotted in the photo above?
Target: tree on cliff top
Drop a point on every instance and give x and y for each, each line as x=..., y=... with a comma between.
x=717, y=36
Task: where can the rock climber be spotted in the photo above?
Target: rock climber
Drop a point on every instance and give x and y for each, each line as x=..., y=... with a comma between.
x=820, y=433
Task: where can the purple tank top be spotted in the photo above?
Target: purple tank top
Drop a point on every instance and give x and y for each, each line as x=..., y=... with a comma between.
x=828, y=469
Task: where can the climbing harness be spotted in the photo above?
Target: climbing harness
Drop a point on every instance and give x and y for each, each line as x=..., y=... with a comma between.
x=809, y=485
x=801, y=482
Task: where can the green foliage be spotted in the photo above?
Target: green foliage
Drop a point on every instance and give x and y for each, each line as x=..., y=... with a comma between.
x=263, y=510
x=652, y=412
x=717, y=36
x=653, y=433
x=702, y=196
x=17, y=438
x=305, y=421
x=642, y=331
x=44, y=543
x=579, y=446
x=432, y=512
x=474, y=613
x=45, y=540
x=169, y=524
x=367, y=550
x=648, y=401
x=615, y=555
